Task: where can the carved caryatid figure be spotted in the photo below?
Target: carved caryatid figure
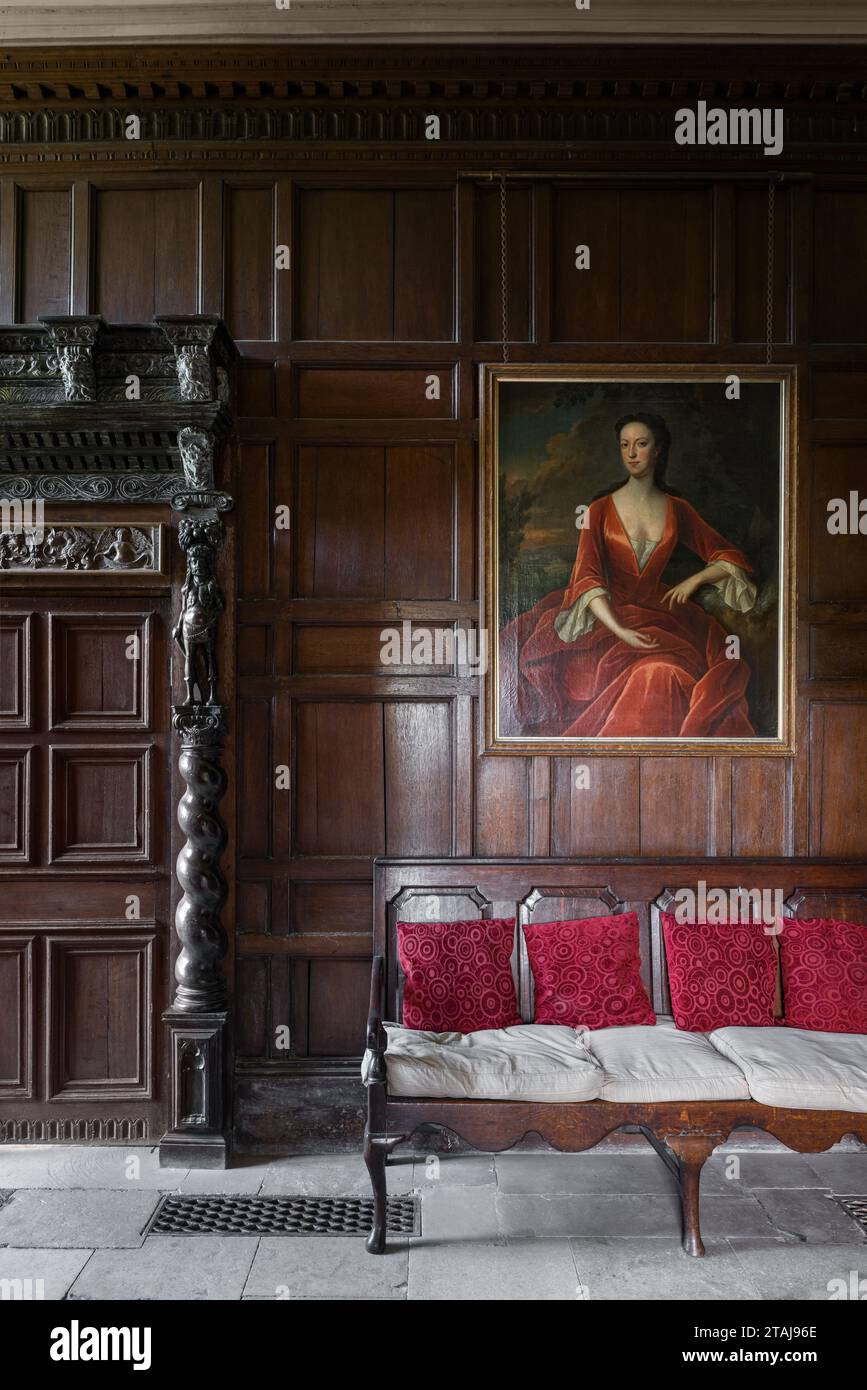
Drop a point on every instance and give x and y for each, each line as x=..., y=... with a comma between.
x=202, y=603
x=194, y=372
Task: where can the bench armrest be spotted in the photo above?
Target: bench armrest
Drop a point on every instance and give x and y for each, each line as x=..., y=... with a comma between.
x=377, y=1039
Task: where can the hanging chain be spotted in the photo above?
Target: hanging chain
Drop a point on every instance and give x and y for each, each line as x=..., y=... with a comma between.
x=504, y=283
x=769, y=307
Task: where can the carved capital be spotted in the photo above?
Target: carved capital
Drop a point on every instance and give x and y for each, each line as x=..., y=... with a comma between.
x=202, y=349
x=196, y=448
x=200, y=726
x=74, y=340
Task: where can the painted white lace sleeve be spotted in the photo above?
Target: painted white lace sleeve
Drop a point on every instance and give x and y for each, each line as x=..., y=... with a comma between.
x=735, y=589
x=578, y=619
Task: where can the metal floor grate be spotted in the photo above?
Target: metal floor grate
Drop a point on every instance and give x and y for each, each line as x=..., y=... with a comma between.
x=279, y=1216
x=856, y=1208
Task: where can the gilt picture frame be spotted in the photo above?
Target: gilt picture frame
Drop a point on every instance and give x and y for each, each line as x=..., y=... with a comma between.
x=638, y=558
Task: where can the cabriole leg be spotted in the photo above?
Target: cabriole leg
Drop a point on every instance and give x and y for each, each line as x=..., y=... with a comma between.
x=377, y=1147
x=691, y=1152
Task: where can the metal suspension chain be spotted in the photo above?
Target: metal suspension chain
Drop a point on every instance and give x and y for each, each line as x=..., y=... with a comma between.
x=769, y=307
x=504, y=284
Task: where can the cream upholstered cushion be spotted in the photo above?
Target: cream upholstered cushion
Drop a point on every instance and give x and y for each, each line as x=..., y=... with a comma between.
x=662, y=1063
x=530, y=1061
x=798, y=1068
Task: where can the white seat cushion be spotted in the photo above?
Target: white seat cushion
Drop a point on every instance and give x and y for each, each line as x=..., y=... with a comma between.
x=797, y=1068
x=662, y=1063
x=530, y=1061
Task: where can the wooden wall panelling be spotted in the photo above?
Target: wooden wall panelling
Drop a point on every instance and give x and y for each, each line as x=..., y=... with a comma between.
x=91, y=903
x=94, y=682
x=211, y=247
x=418, y=759
x=8, y=248
x=101, y=804
x=837, y=562
x=339, y=752
x=750, y=276
x=250, y=222
x=16, y=804
x=82, y=247
x=519, y=241
x=376, y=264
x=838, y=745
x=596, y=806
x=17, y=1017
x=16, y=670
x=45, y=252
x=675, y=805
x=650, y=270
x=395, y=273
x=145, y=251
x=839, y=263
x=99, y=998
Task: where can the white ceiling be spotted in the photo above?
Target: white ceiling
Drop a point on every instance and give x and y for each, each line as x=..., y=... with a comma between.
x=64, y=22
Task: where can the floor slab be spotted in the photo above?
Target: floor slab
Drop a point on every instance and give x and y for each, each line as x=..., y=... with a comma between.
x=508, y=1270
x=170, y=1267
x=332, y=1267
x=458, y=1213
x=80, y=1166
x=659, y=1270
x=809, y=1215
x=626, y=1216
x=814, y=1272
x=36, y=1274
x=845, y=1173
x=333, y=1175
x=76, y=1220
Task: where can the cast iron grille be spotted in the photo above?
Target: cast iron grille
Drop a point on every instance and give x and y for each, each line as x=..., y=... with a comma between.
x=856, y=1208
x=280, y=1216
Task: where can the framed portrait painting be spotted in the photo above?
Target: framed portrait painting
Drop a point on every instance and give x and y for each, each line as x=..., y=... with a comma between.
x=638, y=558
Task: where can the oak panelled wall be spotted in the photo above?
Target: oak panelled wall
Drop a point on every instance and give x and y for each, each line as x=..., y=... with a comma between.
x=394, y=275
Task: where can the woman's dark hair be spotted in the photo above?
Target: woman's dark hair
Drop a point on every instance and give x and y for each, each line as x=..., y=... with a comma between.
x=661, y=437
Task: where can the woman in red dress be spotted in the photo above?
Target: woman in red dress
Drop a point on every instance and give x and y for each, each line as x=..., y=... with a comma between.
x=617, y=654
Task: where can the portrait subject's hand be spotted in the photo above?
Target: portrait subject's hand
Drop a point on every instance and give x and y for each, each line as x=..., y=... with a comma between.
x=633, y=638
x=681, y=593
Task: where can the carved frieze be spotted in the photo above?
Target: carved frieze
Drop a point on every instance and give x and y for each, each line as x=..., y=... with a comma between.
x=82, y=547
x=90, y=487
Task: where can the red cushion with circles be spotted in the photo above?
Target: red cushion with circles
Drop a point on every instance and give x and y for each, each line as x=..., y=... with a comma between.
x=586, y=972
x=824, y=965
x=457, y=975
x=720, y=975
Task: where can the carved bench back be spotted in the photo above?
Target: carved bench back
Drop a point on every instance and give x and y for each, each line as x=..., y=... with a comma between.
x=543, y=890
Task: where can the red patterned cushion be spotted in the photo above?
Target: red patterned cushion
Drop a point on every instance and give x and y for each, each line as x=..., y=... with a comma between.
x=458, y=977
x=824, y=974
x=720, y=975
x=586, y=972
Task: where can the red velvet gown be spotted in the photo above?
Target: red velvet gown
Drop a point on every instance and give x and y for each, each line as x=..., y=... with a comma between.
x=597, y=685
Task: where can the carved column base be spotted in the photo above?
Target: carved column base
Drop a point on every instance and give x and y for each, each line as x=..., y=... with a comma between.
x=198, y=1136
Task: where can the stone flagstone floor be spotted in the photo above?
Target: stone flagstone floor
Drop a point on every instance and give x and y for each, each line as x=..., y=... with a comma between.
x=516, y=1226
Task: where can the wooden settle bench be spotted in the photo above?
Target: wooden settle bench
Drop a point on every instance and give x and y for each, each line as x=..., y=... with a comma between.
x=683, y=1132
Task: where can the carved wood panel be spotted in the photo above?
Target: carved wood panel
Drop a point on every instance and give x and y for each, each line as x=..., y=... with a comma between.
x=85, y=839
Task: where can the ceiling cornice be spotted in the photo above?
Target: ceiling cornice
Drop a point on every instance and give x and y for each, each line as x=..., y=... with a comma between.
x=307, y=70
x=433, y=21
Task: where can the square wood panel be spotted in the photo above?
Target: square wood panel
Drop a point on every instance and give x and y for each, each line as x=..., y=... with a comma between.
x=100, y=670
x=99, y=991
x=15, y=805
x=100, y=805
x=15, y=670
x=16, y=1016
